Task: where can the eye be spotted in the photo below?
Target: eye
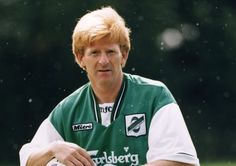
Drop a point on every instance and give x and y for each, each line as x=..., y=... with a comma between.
x=111, y=52
x=94, y=53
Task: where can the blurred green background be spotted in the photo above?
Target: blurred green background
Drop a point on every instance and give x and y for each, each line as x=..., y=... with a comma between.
x=188, y=45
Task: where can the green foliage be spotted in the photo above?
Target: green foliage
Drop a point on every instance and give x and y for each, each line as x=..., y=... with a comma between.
x=37, y=68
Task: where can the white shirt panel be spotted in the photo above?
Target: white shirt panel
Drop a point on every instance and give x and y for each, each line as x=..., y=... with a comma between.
x=45, y=134
x=168, y=137
x=105, y=110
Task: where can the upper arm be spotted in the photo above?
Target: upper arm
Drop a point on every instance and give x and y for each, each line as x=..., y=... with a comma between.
x=45, y=134
x=168, y=137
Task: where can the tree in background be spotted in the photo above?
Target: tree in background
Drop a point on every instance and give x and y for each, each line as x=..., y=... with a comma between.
x=191, y=45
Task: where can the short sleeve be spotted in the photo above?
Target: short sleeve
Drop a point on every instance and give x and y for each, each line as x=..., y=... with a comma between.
x=45, y=134
x=168, y=137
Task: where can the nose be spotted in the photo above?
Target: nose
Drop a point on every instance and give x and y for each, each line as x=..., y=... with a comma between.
x=103, y=60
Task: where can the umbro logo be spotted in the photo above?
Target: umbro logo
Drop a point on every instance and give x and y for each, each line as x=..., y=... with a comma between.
x=135, y=125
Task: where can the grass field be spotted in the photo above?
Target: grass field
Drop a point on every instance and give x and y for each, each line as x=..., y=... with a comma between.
x=218, y=163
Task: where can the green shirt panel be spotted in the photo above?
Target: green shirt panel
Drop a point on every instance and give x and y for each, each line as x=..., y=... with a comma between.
x=124, y=141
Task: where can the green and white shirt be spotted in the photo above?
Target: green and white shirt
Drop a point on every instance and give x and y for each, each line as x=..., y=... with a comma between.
x=143, y=125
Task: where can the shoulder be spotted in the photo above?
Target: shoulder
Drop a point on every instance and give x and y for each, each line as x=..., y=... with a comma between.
x=149, y=88
x=69, y=102
x=146, y=84
x=76, y=95
x=143, y=81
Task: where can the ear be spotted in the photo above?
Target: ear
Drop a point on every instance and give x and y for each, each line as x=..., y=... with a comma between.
x=79, y=60
x=125, y=55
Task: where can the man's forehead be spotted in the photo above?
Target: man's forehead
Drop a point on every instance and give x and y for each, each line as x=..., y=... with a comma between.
x=103, y=41
x=103, y=44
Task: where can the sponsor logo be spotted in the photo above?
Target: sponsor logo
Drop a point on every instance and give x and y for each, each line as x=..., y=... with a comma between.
x=106, y=109
x=112, y=159
x=135, y=125
x=82, y=126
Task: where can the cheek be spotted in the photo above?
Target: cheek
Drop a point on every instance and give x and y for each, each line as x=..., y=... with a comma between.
x=119, y=60
x=88, y=62
x=122, y=61
x=116, y=62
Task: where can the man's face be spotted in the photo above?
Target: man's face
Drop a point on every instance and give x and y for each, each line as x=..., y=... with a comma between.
x=103, y=61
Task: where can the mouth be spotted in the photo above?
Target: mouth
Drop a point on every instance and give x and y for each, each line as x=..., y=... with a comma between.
x=104, y=71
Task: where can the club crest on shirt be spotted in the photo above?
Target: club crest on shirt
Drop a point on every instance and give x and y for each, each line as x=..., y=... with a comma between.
x=135, y=125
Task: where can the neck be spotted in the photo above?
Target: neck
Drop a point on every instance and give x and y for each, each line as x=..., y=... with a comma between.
x=107, y=93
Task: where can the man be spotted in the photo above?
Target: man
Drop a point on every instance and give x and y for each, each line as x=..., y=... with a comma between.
x=116, y=118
